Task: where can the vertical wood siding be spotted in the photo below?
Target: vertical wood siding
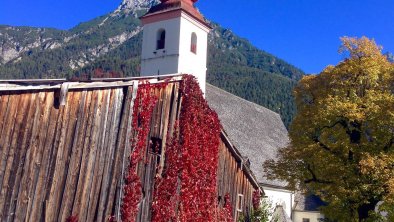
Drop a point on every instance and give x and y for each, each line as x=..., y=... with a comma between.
x=233, y=180
x=61, y=161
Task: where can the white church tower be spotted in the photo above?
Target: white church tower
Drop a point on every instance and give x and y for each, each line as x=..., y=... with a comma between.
x=175, y=40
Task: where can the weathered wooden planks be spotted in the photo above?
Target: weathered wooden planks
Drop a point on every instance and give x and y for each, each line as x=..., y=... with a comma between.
x=70, y=160
x=57, y=161
x=232, y=180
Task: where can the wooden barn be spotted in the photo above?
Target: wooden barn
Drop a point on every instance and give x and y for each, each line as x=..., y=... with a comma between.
x=65, y=147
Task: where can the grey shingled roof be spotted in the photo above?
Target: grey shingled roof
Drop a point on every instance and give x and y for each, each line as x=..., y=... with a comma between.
x=307, y=202
x=256, y=131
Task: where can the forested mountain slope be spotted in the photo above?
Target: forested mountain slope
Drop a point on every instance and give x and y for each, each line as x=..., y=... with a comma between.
x=110, y=45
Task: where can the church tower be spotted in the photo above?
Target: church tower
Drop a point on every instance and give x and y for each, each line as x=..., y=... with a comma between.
x=175, y=40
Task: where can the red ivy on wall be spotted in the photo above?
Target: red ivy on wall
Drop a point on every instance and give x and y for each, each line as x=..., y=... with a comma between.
x=225, y=214
x=166, y=193
x=256, y=199
x=200, y=136
x=187, y=190
x=142, y=113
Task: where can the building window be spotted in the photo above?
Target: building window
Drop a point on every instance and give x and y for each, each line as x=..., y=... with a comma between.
x=161, y=39
x=193, y=45
x=240, y=202
x=305, y=220
x=156, y=148
x=155, y=145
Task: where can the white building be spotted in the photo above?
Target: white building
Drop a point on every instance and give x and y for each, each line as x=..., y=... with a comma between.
x=278, y=195
x=306, y=208
x=175, y=40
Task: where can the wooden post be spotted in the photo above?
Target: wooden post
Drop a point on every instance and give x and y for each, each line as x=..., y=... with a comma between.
x=130, y=122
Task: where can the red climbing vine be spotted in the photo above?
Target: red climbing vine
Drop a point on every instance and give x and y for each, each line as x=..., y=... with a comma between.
x=225, y=214
x=72, y=219
x=142, y=112
x=166, y=195
x=200, y=136
x=256, y=199
x=187, y=190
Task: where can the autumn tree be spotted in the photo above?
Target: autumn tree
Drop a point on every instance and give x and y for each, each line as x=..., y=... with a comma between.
x=342, y=137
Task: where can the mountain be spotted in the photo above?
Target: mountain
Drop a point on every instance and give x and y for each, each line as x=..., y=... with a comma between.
x=131, y=6
x=110, y=45
x=15, y=41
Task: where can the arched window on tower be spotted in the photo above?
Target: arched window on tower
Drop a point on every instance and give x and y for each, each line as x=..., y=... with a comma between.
x=193, y=45
x=161, y=39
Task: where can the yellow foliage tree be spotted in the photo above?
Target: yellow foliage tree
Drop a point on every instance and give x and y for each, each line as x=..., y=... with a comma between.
x=342, y=139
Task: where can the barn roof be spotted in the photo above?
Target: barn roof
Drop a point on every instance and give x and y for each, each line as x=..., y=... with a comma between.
x=256, y=131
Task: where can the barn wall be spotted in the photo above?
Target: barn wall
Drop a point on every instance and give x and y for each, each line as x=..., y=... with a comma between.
x=58, y=161
x=232, y=180
x=61, y=161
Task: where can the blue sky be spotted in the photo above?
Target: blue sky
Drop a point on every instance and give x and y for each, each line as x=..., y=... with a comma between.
x=303, y=32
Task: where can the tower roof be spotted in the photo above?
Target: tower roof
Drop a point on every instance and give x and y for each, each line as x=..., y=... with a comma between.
x=167, y=6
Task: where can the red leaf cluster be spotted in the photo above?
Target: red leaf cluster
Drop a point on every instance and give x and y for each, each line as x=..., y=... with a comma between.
x=225, y=214
x=142, y=113
x=187, y=190
x=72, y=219
x=166, y=193
x=256, y=199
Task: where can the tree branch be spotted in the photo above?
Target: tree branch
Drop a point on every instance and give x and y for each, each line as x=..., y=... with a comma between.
x=316, y=139
x=314, y=178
